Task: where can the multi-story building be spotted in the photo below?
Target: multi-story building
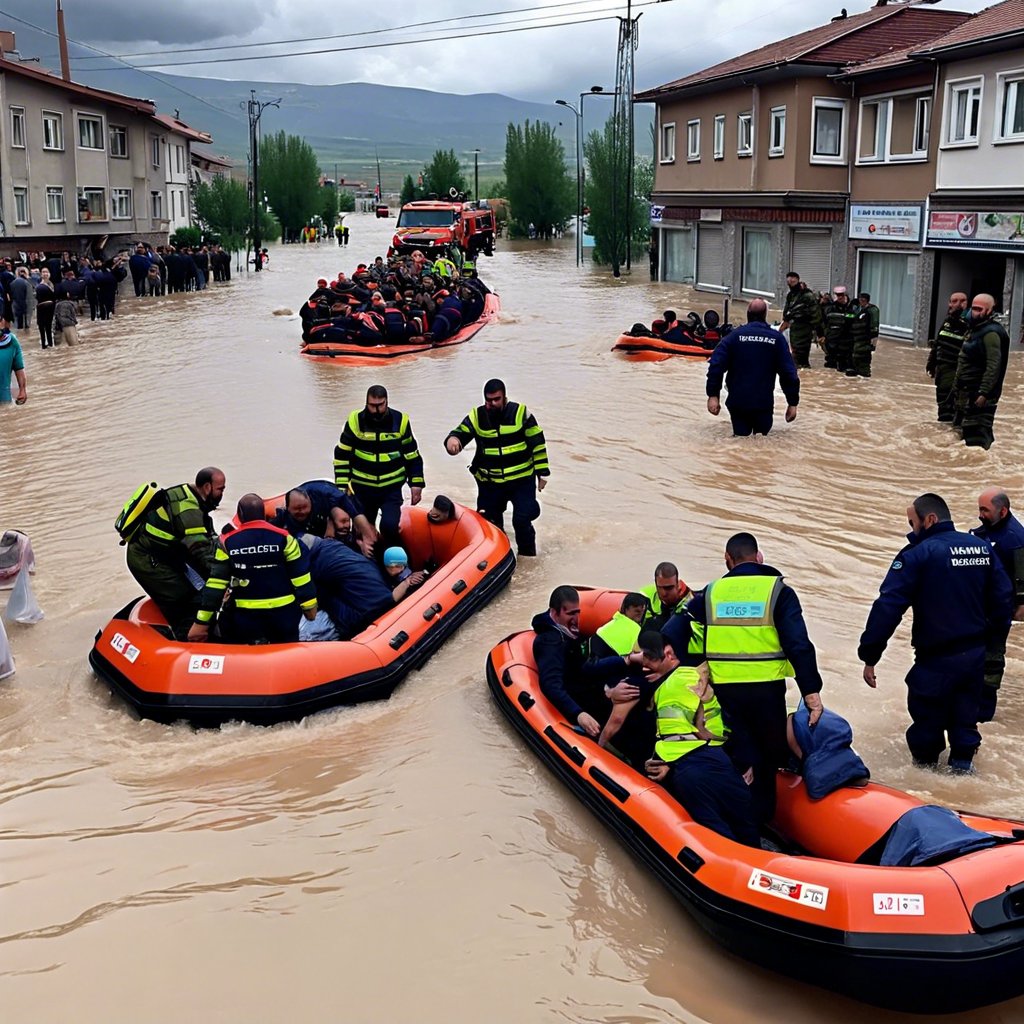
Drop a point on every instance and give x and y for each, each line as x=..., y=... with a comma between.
x=206, y=167
x=758, y=155
x=79, y=164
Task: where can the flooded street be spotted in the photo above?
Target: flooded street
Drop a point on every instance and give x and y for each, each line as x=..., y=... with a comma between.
x=412, y=859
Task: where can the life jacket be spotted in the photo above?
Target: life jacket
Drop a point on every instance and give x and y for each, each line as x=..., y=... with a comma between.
x=396, y=326
x=620, y=633
x=656, y=612
x=133, y=515
x=502, y=453
x=677, y=704
x=741, y=643
x=839, y=321
x=169, y=523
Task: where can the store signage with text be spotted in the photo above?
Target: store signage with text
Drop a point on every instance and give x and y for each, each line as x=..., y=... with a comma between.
x=885, y=223
x=964, y=229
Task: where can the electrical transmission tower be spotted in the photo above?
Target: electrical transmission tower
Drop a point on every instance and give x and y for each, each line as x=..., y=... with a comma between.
x=622, y=144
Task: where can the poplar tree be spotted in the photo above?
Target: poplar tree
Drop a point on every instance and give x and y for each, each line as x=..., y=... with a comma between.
x=539, y=188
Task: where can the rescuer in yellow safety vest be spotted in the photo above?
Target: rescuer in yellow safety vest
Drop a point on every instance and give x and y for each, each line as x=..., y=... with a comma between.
x=689, y=757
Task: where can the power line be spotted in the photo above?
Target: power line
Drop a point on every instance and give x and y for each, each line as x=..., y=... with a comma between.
x=351, y=35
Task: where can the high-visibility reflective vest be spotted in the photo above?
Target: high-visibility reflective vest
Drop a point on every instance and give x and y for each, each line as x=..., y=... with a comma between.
x=696, y=644
x=741, y=643
x=178, y=531
x=503, y=454
x=620, y=633
x=677, y=705
x=955, y=330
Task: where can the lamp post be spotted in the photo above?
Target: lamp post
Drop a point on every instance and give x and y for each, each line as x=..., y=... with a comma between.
x=579, y=180
x=476, y=175
x=256, y=108
x=595, y=90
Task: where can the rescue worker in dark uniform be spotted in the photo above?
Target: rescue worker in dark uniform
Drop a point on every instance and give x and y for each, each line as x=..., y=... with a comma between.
x=750, y=358
x=268, y=571
x=801, y=316
x=176, y=537
x=980, y=370
x=376, y=455
x=839, y=316
x=962, y=602
x=944, y=353
x=864, y=332
x=510, y=463
x=1005, y=533
x=307, y=509
x=754, y=638
x=689, y=758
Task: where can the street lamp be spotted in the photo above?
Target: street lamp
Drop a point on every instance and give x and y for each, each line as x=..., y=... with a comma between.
x=579, y=180
x=476, y=173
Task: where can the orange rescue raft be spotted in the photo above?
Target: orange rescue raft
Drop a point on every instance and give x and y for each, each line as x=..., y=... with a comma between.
x=349, y=353
x=927, y=939
x=211, y=683
x=655, y=350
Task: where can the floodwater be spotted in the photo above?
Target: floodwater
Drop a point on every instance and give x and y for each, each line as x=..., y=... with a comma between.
x=411, y=859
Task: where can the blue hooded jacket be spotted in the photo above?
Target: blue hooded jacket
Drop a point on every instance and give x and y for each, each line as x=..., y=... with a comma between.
x=349, y=587
x=829, y=761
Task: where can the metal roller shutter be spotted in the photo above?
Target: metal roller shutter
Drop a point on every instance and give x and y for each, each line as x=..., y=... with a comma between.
x=812, y=257
x=710, y=257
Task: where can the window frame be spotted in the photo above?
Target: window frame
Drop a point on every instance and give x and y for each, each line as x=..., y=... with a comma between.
x=58, y=119
x=693, y=140
x=84, y=192
x=22, y=192
x=777, y=115
x=119, y=192
x=747, y=118
x=917, y=154
x=829, y=103
x=923, y=126
x=18, y=115
x=662, y=138
x=743, y=261
x=954, y=86
x=111, y=128
x=156, y=198
x=155, y=151
x=54, y=192
x=718, y=138
x=83, y=117
x=1004, y=79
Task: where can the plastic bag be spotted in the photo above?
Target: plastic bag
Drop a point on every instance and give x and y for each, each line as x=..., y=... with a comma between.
x=15, y=553
x=23, y=606
x=6, y=658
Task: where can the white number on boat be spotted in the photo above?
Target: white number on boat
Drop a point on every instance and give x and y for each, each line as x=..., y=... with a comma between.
x=900, y=904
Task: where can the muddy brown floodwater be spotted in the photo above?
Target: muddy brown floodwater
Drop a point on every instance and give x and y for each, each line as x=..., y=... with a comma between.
x=412, y=859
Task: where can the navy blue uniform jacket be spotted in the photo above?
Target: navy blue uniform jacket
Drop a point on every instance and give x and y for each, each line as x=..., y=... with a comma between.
x=960, y=594
x=750, y=357
x=323, y=496
x=349, y=586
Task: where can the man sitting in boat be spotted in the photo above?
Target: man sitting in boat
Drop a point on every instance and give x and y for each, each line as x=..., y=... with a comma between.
x=689, y=759
x=307, y=509
x=671, y=328
x=448, y=319
x=272, y=587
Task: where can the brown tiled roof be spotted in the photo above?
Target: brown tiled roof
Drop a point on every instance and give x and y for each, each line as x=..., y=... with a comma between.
x=177, y=125
x=945, y=21
x=11, y=67
x=851, y=41
x=1005, y=19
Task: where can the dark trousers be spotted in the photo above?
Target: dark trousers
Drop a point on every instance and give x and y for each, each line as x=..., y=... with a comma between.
x=750, y=421
x=860, y=362
x=176, y=598
x=976, y=425
x=44, y=318
x=92, y=293
x=264, y=625
x=945, y=397
x=756, y=716
x=139, y=280
x=995, y=666
x=387, y=501
x=714, y=794
x=942, y=698
x=800, y=338
x=493, y=499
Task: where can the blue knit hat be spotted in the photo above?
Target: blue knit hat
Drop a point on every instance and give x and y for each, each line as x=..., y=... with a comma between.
x=395, y=556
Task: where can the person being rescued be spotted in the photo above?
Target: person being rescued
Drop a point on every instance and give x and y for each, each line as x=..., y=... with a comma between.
x=398, y=576
x=308, y=509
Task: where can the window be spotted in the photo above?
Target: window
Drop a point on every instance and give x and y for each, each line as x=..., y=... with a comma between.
x=154, y=147
x=53, y=130
x=894, y=128
x=874, y=130
x=54, y=204
x=1011, y=108
x=156, y=205
x=121, y=204
x=777, y=132
x=758, y=269
x=963, y=108
x=668, y=143
x=18, y=127
x=744, y=134
x=678, y=254
x=92, y=204
x=828, y=130
x=90, y=132
x=719, y=136
x=21, y=205
x=693, y=140
x=922, y=124
x=118, y=140
x=179, y=159
x=889, y=278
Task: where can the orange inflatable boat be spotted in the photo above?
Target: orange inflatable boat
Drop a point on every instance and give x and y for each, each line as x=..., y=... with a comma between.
x=211, y=683
x=653, y=349
x=935, y=939
x=352, y=354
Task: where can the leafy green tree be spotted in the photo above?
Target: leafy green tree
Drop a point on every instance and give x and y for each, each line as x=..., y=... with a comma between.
x=290, y=179
x=443, y=174
x=328, y=206
x=346, y=201
x=409, y=191
x=539, y=189
x=223, y=210
x=187, y=236
x=607, y=197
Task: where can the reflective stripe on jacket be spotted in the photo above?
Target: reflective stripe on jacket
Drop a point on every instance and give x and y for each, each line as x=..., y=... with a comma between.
x=514, y=450
x=179, y=531
x=377, y=454
x=677, y=705
x=741, y=643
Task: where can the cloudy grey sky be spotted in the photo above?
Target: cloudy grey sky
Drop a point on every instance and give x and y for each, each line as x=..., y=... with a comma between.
x=675, y=37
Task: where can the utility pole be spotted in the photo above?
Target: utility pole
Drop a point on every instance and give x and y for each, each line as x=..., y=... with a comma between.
x=622, y=141
x=256, y=108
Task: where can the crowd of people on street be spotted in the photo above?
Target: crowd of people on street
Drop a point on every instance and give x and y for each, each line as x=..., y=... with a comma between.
x=407, y=298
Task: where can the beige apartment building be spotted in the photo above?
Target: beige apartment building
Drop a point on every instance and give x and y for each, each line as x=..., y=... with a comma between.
x=787, y=158
x=80, y=165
